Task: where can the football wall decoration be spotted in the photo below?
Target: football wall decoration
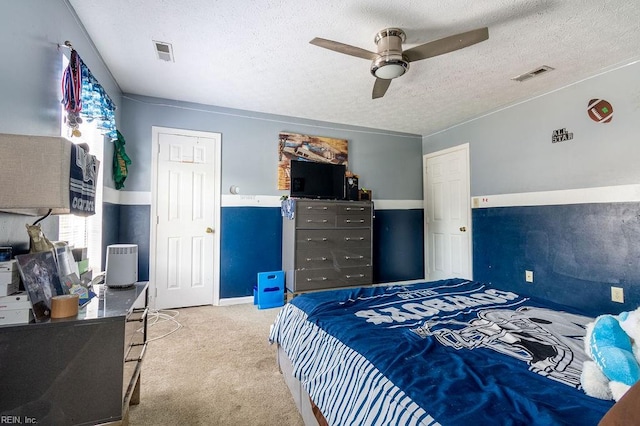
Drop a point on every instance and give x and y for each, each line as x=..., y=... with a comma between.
x=600, y=111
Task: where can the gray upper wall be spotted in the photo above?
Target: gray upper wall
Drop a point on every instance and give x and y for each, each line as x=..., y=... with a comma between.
x=30, y=76
x=511, y=151
x=31, y=71
x=388, y=163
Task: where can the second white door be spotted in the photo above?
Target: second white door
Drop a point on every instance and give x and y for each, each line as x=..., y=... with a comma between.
x=447, y=214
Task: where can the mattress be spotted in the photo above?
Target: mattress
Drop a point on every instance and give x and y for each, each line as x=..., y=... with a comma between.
x=446, y=352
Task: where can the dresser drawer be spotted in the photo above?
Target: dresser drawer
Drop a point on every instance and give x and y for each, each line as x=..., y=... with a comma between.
x=324, y=258
x=311, y=279
x=356, y=256
x=314, y=221
x=317, y=279
x=348, y=209
x=353, y=221
x=356, y=237
x=314, y=208
x=315, y=259
x=315, y=238
x=305, y=207
x=357, y=275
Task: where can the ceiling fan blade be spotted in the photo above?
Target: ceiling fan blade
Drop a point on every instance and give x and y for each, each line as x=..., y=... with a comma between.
x=343, y=48
x=380, y=88
x=446, y=45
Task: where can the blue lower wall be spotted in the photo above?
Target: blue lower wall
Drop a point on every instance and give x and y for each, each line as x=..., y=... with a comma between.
x=398, y=249
x=110, y=228
x=251, y=242
x=577, y=252
x=128, y=224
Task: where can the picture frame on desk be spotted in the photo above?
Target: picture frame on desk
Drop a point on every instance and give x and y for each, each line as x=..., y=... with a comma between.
x=41, y=279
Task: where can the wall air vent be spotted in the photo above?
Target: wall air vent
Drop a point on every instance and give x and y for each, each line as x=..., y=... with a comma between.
x=526, y=76
x=164, y=51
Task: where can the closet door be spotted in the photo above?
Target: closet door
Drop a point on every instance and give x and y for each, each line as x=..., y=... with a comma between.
x=186, y=210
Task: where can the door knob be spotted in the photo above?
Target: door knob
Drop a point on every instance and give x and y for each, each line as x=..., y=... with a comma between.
x=463, y=229
x=209, y=230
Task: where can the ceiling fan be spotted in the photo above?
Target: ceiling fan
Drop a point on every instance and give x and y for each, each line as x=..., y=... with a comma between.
x=391, y=61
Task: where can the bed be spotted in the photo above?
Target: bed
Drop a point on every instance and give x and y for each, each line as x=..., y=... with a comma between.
x=436, y=353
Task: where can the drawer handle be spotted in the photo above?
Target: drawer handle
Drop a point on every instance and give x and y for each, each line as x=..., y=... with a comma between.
x=353, y=257
x=317, y=208
x=317, y=279
x=351, y=238
x=317, y=239
x=361, y=209
x=359, y=221
x=323, y=259
x=355, y=276
x=321, y=221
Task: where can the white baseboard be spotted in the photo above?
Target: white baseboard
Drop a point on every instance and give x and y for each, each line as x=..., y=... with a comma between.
x=235, y=301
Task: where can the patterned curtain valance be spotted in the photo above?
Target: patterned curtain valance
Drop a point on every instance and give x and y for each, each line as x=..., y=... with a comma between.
x=96, y=104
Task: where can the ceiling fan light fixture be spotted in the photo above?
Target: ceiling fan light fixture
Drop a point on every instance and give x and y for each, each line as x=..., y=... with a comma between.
x=392, y=61
x=388, y=67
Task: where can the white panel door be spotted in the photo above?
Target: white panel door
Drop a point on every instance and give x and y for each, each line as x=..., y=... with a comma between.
x=447, y=214
x=185, y=205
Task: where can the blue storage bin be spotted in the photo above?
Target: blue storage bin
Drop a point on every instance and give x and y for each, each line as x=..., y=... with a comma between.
x=269, y=293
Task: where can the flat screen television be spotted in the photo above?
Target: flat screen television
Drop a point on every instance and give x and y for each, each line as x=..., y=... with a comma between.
x=317, y=180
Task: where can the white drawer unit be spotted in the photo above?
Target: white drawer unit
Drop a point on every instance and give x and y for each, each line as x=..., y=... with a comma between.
x=328, y=244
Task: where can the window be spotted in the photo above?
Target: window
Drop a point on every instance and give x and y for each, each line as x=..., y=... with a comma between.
x=81, y=231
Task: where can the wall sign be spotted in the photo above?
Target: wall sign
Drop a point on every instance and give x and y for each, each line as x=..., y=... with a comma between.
x=600, y=111
x=561, y=135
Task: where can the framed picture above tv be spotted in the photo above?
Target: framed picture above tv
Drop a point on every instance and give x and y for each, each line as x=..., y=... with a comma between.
x=317, y=149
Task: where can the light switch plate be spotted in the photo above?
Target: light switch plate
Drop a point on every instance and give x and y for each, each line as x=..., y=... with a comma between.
x=528, y=276
x=617, y=294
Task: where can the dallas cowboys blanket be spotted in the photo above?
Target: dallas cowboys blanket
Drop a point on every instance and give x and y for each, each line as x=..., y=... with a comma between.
x=449, y=352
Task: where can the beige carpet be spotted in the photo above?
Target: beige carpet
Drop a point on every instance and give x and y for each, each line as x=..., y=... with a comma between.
x=218, y=369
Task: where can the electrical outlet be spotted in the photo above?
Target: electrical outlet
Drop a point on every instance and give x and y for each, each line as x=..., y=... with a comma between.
x=528, y=276
x=617, y=294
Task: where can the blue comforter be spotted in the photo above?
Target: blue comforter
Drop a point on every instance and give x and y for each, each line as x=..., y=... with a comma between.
x=450, y=352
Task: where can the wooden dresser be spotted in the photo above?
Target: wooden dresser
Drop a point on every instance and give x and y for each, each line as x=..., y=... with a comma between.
x=327, y=244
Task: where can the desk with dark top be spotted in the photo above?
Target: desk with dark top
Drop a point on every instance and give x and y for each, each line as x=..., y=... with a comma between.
x=76, y=371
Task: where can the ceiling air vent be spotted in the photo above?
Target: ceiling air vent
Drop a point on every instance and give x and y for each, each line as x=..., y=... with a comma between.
x=164, y=51
x=526, y=76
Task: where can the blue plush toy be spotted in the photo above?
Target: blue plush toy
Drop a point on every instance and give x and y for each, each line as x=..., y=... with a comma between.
x=610, y=342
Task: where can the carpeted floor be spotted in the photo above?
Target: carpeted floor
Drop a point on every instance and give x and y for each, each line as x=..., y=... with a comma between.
x=217, y=369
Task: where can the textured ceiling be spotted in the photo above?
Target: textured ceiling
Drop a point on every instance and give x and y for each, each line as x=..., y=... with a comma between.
x=256, y=56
